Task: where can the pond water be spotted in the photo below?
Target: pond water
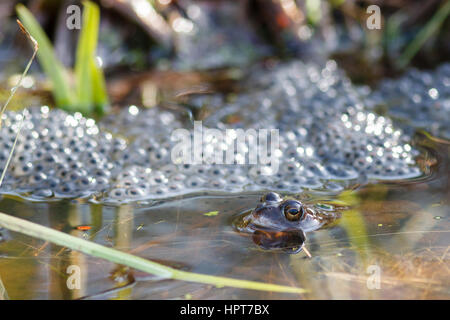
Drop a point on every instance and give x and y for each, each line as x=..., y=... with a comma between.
x=398, y=228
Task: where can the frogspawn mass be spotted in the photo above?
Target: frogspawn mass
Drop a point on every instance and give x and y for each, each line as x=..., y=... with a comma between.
x=329, y=138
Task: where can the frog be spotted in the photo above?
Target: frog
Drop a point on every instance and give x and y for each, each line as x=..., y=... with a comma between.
x=278, y=223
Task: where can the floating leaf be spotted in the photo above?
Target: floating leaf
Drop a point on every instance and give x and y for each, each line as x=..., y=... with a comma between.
x=211, y=213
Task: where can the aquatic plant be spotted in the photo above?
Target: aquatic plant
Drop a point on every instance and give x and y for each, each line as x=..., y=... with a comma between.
x=88, y=95
x=431, y=27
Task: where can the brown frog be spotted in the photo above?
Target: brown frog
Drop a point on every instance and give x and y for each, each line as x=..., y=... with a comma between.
x=276, y=223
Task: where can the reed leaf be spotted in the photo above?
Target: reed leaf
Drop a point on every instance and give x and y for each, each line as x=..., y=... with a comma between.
x=50, y=64
x=85, y=57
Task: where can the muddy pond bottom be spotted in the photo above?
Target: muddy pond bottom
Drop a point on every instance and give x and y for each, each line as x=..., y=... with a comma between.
x=391, y=243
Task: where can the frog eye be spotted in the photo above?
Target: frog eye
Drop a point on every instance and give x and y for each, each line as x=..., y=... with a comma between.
x=293, y=210
x=271, y=197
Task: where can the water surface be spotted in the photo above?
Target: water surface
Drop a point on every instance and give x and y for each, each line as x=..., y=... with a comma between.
x=401, y=227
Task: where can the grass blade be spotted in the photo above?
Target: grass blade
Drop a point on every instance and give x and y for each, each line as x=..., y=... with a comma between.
x=50, y=64
x=426, y=32
x=85, y=56
x=116, y=256
x=100, y=96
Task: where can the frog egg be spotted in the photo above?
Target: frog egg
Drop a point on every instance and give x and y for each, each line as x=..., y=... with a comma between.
x=48, y=146
x=76, y=165
x=100, y=172
x=20, y=158
x=144, y=186
x=52, y=183
x=317, y=170
x=95, y=162
x=73, y=176
x=103, y=149
x=38, y=167
x=4, y=154
x=195, y=182
x=128, y=181
x=187, y=167
x=236, y=180
x=217, y=183
x=22, y=169
x=178, y=177
x=90, y=144
x=216, y=171
x=290, y=167
x=66, y=158
x=159, y=155
x=63, y=173
x=175, y=186
x=118, y=145
x=37, y=178
x=157, y=178
x=128, y=172
x=118, y=193
x=281, y=185
x=85, y=183
x=143, y=176
x=290, y=152
x=158, y=190
x=67, y=188
x=265, y=181
x=202, y=169
x=256, y=171
x=168, y=169
x=101, y=183
x=135, y=193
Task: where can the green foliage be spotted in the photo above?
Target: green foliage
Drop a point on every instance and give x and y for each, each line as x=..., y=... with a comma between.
x=89, y=93
x=424, y=34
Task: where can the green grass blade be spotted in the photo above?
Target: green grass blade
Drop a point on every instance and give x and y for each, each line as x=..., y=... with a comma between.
x=100, y=96
x=425, y=33
x=313, y=11
x=50, y=64
x=116, y=256
x=85, y=56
